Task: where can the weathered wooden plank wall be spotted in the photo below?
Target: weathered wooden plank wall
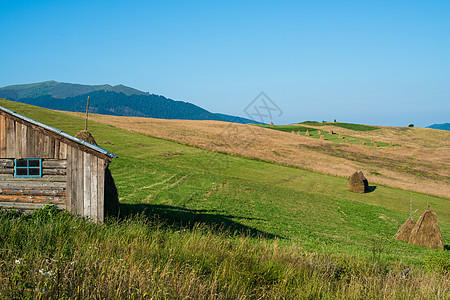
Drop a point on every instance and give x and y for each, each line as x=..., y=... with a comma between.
x=28, y=193
x=73, y=178
x=85, y=184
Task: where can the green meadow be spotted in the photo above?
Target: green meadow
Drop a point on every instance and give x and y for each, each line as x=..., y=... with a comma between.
x=314, y=132
x=234, y=228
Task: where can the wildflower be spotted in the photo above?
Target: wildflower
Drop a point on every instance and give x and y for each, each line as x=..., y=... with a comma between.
x=48, y=273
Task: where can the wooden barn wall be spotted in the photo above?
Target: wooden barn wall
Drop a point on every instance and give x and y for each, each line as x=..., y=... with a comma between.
x=29, y=193
x=82, y=182
x=85, y=184
x=18, y=140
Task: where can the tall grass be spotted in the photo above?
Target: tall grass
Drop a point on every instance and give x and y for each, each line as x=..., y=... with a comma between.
x=52, y=254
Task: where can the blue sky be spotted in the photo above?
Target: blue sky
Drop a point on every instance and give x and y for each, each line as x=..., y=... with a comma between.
x=372, y=62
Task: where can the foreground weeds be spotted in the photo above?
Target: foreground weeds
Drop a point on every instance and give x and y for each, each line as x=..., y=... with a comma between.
x=54, y=255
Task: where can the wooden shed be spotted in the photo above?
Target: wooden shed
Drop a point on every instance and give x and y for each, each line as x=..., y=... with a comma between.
x=42, y=165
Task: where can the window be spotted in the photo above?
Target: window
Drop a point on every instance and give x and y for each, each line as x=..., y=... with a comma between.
x=28, y=167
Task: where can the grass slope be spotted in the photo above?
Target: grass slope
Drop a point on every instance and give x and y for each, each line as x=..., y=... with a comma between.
x=286, y=207
x=328, y=136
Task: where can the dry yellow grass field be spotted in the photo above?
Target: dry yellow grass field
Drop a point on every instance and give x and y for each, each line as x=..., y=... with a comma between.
x=419, y=163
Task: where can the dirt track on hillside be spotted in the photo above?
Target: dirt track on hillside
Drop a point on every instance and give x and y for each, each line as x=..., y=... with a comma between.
x=421, y=163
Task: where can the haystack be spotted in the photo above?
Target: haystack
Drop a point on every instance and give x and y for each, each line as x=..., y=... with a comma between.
x=322, y=137
x=86, y=136
x=426, y=232
x=319, y=132
x=271, y=124
x=307, y=132
x=364, y=179
x=404, y=231
x=356, y=183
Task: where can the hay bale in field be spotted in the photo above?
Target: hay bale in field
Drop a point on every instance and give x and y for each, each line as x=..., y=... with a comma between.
x=364, y=179
x=372, y=141
x=346, y=141
x=322, y=137
x=362, y=142
x=340, y=136
x=307, y=132
x=426, y=232
x=404, y=231
x=271, y=124
x=86, y=136
x=299, y=132
x=375, y=144
x=319, y=132
x=357, y=183
x=292, y=131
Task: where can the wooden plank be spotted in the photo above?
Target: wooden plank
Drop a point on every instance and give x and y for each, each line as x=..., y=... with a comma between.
x=6, y=171
x=30, y=143
x=35, y=145
x=33, y=192
x=10, y=138
x=32, y=199
x=62, y=150
x=45, y=153
x=54, y=171
x=56, y=151
x=87, y=184
x=51, y=148
x=2, y=136
x=101, y=190
x=27, y=206
x=54, y=164
x=23, y=142
x=41, y=143
x=52, y=178
x=79, y=183
x=94, y=188
x=18, y=139
x=69, y=179
x=73, y=183
x=7, y=162
x=31, y=184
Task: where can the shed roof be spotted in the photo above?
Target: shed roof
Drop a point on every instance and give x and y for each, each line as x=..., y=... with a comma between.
x=59, y=132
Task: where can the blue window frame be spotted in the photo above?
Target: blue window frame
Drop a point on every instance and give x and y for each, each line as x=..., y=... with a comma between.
x=28, y=167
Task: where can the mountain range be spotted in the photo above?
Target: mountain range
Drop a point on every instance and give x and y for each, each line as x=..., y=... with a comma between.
x=445, y=126
x=105, y=99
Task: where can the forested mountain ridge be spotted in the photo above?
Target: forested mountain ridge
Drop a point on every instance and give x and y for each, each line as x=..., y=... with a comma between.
x=445, y=126
x=116, y=100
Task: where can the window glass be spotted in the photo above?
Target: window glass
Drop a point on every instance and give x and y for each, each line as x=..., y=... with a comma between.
x=30, y=167
x=21, y=163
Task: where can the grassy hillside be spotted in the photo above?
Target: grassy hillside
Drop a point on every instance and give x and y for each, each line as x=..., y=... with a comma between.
x=279, y=223
x=418, y=160
x=330, y=136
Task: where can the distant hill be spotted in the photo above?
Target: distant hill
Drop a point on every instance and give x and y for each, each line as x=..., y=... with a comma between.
x=445, y=126
x=116, y=100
